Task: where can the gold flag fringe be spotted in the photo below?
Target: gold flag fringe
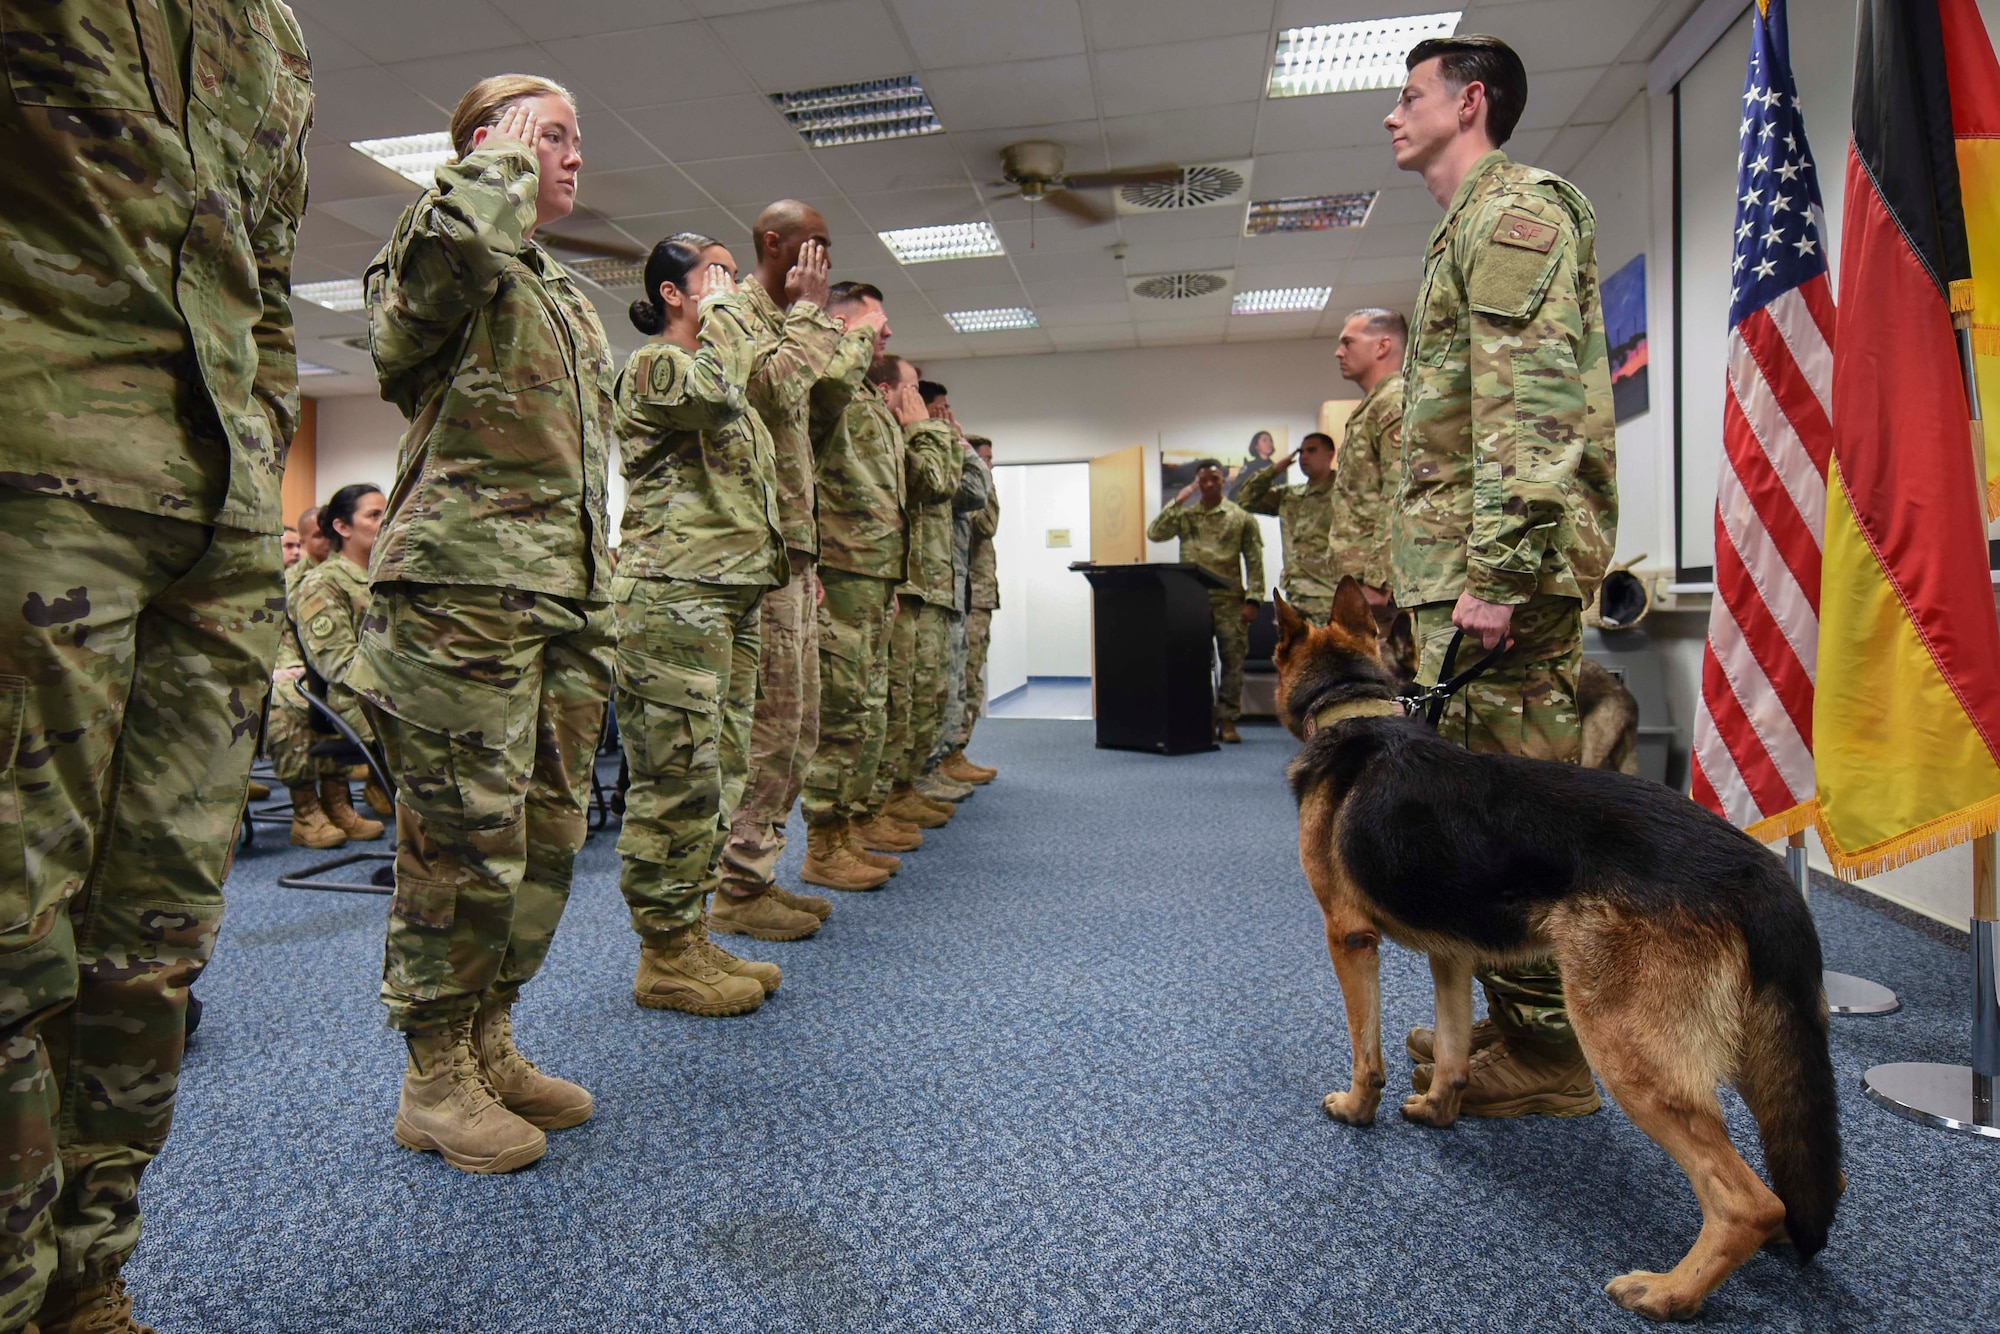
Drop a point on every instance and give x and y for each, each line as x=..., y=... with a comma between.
x=1993, y=500
x=1946, y=831
x=1986, y=340
x=1961, y=296
x=1785, y=823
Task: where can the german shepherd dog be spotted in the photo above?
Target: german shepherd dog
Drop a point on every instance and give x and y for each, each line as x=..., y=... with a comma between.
x=1687, y=954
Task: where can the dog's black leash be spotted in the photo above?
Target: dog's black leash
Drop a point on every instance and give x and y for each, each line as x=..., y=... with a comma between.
x=1434, y=699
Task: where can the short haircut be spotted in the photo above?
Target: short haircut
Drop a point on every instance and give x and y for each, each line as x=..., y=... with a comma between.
x=309, y=518
x=486, y=101
x=1206, y=464
x=1320, y=436
x=851, y=293
x=931, y=390
x=1486, y=61
x=977, y=441
x=1382, y=322
x=885, y=370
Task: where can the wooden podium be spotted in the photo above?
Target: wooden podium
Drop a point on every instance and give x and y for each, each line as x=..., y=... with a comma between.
x=1153, y=634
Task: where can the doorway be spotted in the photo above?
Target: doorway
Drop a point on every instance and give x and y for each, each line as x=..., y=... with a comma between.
x=1039, y=664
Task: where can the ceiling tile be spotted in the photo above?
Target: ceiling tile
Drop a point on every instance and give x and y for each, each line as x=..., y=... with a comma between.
x=335, y=171
x=1143, y=79
x=1201, y=134
x=1152, y=314
x=1615, y=89
x=1320, y=248
x=1553, y=98
x=997, y=296
x=976, y=32
x=1246, y=327
x=961, y=275
x=328, y=51
x=759, y=180
x=896, y=209
x=652, y=228
x=1017, y=92
x=544, y=21
x=443, y=79
x=1096, y=314
x=1047, y=266
x=1173, y=256
x=626, y=194
x=1554, y=34
x=1332, y=120
x=609, y=145
x=338, y=261
x=321, y=230
x=714, y=8
x=678, y=62
x=1010, y=342
x=814, y=45
x=1330, y=171
x=1190, y=224
x=1167, y=333
x=1390, y=239
x=369, y=103
x=1078, y=291
x=927, y=162
x=743, y=126
x=375, y=215
x=1116, y=23
x=1407, y=201
x=398, y=30
x=1306, y=13
x=1054, y=234
x=1066, y=336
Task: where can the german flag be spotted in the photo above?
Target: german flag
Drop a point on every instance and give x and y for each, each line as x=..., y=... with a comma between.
x=1975, y=124
x=1906, y=718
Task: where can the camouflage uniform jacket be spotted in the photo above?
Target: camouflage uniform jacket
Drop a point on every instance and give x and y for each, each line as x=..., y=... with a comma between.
x=289, y=654
x=985, y=576
x=146, y=354
x=502, y=369
x=1509, y=485
x=861, y=481
x=931, y=485
x=1224, y=541
x=701, y=500
x=1366, y=478
x=975, y=489
x=329, y=602
x=1305, y=513
x=793, y=349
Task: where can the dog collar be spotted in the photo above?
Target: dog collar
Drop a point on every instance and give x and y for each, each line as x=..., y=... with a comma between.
x=1352, y=708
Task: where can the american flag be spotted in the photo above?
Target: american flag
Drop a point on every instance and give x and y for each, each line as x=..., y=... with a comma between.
x=1753, y=757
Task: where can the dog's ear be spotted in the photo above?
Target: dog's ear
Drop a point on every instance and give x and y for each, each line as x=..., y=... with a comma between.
x=1291, y=626
x=1351, y=611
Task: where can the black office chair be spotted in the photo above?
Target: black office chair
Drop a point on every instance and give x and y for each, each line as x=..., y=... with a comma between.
x=607, y=800
x=344, y=746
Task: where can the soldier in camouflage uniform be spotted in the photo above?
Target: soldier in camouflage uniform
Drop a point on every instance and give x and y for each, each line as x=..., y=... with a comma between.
x=1369, y=469
x=702, y=546
x=982, y=599
x=1224, y=540
x=154, y=182
x=485, y=657
x=288, y=734
x=975, y=489
x=1508, y=509
x=1305, y=514
x=795, y=340
x=326, y=608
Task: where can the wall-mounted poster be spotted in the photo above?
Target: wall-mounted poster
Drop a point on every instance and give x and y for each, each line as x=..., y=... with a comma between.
x=1177, y=465
x=1624, y=296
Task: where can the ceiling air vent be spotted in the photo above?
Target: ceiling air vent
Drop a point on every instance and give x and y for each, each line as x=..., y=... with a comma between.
x=609, y=272
x=1179, y=286
x=1197, y=187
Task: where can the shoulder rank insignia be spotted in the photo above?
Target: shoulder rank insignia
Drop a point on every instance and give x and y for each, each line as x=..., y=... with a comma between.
x=1518, y=229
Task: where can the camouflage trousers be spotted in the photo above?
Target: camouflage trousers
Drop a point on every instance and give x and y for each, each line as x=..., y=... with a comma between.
x=1315, y=607
x=489, y=703
x=951, y=719
x=687, y=683
x=929, y=681
x=1525, y=706
x=134, y=655
x=854, y=638
x=902, y=681
x=1232, y=645
x=288, y=735
x=978, y=639
x=784, y=731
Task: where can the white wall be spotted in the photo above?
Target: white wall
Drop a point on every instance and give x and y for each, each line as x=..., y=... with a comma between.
x=356, y=442
x=1043, y=625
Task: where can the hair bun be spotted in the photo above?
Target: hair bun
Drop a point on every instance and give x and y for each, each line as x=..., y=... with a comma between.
x=647, y=317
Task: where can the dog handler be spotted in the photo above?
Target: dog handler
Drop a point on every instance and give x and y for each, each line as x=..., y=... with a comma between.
x=1509, y=506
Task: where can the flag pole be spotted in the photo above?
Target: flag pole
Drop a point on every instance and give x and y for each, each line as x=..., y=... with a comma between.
x=1957, y=1097
x=1845, y=993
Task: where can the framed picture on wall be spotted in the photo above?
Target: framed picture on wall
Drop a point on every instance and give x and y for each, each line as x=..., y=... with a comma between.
x=1624, y=295
x=1239, y=462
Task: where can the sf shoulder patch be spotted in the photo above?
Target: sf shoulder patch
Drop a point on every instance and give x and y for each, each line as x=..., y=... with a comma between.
x=1518, y=229
x=321, y=625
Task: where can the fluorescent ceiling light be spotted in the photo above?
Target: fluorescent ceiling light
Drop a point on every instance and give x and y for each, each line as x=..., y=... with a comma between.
x=609, y=272
x=958, y=240
x=314, y=368
x=859, y=113
x=991, y=321
x=1308, y=213
x=415, y=157
x=343, y=294
x=1350, y=57
x=1280, y=300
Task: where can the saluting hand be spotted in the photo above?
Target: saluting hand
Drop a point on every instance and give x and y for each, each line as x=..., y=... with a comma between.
x=714, y=280
x=1283, y=461
x=807, y=279
x=518, y=124
x=908, y=405
x=1182, y=497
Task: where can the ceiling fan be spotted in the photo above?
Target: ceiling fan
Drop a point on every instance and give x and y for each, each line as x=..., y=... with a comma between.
x=1035, y=169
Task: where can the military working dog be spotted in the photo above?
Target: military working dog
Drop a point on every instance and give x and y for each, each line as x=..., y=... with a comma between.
x=1686, y=952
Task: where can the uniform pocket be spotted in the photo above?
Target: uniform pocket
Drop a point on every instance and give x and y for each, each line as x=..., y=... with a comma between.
x=58, y=57
x=525, y=348
x=463, y=751
x=15, y=909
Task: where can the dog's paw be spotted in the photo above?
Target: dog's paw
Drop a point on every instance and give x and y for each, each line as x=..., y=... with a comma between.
x=1426, y=1111
x=1652, y=1296
x=1351, y=1108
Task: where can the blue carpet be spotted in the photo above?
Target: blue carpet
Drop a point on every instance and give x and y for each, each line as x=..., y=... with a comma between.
x=1063, y=1074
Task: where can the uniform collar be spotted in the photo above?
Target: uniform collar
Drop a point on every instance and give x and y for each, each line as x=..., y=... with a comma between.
x=1379, y=391
x=1463, y=195
x=767, y=309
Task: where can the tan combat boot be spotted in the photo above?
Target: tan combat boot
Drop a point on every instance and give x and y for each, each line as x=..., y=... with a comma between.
x=310, y=827
x=1514, y=1078
x=937, y=787
x=830, y=863
x=378, y=801
x=1225, y=731
x=259, y=791
x=1422, y=1042
x=882, y=832
x=448, y=1107
x=812, y=903
x=675, y=974
x=960, y=769
x=105, y=1309
x=762, y=917
x=541, y=1100
x=339, y=807
x=868, y=856
x=765, y=975
x=912, y=807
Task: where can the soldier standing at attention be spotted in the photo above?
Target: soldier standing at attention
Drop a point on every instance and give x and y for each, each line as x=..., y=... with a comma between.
x=485, y=657
x=795, y=340
x=1509, y=502
x=1370, y=470
x=327, y=609
x=288, y=734
x=975, y=489
x=1221, y=538
x=982, y=600
x=1305, y=512
x=148, y=393
x=702, y=547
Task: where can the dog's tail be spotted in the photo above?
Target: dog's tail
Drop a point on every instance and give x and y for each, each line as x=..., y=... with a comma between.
x=1789, y=1074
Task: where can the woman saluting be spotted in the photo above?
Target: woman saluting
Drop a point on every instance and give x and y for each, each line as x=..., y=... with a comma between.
x=485, y=655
